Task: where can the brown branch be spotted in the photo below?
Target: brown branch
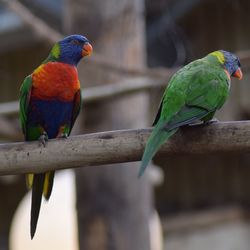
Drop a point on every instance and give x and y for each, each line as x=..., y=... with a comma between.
x=43, y=30
x=93, y=94
x=121, y=146
x=40, y=28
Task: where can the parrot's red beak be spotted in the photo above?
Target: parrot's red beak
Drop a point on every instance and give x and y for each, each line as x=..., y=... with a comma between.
x=238, y=74
x=87, y=49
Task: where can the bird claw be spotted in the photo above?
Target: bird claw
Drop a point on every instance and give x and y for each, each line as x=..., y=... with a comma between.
x=43, y=139
x=197, y=123
x=200, y=123
x=214, y=120
x=64, y=135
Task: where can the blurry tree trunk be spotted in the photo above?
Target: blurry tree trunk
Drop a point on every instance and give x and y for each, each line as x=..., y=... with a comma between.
x=113, y=205
x=12, y=191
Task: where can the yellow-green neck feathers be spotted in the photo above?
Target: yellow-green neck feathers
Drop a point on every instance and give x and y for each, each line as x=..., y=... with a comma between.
x=55, y=52
x=219, y=56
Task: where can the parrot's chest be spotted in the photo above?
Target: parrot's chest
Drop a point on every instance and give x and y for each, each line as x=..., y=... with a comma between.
x=57, y=81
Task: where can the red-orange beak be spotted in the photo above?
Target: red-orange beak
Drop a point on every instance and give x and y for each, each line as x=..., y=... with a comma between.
x=87, y=49
x=238, y=74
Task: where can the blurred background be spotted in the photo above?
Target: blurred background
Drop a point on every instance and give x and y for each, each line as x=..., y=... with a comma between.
x=183, y=202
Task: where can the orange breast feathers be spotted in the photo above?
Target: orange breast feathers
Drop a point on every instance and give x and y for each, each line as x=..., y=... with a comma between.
x=55, y=80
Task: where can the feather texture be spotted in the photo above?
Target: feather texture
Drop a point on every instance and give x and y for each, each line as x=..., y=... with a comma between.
x=194, y=93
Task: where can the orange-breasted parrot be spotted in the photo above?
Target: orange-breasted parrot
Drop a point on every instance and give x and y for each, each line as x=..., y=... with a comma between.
x=194, y=93
x=50, y=101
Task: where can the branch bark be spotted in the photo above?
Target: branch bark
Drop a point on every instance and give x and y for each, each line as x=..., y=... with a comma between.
x=121, y=146
x=93, y=94
x=44, y=31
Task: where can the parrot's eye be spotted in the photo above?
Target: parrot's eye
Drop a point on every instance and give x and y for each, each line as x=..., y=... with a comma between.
x=75, y=42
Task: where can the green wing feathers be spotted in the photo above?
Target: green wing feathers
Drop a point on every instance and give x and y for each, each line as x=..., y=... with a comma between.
x=164, y=130
x=76, y=108
x=156, y=139
x=25, y=91
x=194, y=93
x=186, y=115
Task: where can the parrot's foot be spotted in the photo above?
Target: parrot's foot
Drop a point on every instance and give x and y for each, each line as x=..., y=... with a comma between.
x=214, y=120
x=197, y=123
x=202, y=123
x=63, y=135
x=43, y=139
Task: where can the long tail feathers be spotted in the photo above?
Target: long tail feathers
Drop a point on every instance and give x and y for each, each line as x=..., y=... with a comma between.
x=48, y=184
x=37, y=192
x=156, y=139
x=29, y=180
x=41, y=185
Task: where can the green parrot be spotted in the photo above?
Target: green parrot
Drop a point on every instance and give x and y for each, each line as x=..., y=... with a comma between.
x=194, y=93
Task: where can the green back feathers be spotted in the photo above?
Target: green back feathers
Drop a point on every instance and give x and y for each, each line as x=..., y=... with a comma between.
x=194, y=93
x=54, y=54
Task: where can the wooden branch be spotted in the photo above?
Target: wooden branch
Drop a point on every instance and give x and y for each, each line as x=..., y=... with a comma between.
x=195, y=221
x=121, y=146
x=40, y=28
x=43, y=30
x=93, y=94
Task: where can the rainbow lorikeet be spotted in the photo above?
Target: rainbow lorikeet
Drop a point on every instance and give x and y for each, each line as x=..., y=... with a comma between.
x=50, y=101
x=194, y=93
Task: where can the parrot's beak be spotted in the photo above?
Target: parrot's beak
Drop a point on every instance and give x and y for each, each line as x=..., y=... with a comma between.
x=238, y=74
x=87, y=49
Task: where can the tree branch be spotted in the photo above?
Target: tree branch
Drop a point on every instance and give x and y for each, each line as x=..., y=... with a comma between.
x=40, y=28
x=120, y=146
x=43, y=30
x=93, y=94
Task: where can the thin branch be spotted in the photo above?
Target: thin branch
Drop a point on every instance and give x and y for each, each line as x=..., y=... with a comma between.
x=43, y=30
x=120, y=146
x=93, y=94
x=40, y=28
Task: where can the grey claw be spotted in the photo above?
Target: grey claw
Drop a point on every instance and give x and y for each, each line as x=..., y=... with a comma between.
x=43, y=139
x=64, y=135
x=214, y=120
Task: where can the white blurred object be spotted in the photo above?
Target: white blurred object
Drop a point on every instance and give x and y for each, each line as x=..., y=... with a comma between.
x=155, y=230
x=155, y=174
x=57, y=224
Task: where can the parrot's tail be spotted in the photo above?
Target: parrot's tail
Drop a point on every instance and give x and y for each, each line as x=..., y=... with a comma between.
x=156, y=139
x=48, y=184
x=37, y=192
x=41, y=184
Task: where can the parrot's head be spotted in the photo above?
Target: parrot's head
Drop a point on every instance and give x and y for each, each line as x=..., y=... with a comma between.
x=71, y=49
x=230, y=63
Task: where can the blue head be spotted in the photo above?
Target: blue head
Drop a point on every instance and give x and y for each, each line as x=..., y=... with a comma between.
x=71, y=49
x=230, y=62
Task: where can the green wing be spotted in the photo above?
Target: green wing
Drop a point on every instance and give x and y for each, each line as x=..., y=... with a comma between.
x=193, y=95
x=76, y=108
x=25, y=91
